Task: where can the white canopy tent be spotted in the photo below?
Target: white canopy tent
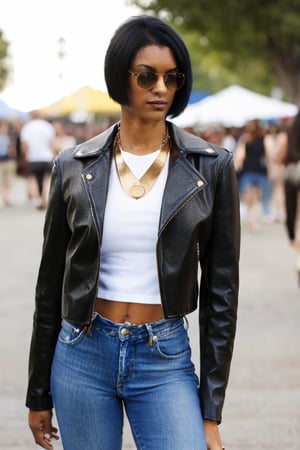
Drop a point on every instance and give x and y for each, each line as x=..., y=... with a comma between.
x=234, y=106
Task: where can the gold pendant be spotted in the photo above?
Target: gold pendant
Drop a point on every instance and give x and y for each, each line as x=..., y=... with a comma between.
x=133, y=186
x=137, y=191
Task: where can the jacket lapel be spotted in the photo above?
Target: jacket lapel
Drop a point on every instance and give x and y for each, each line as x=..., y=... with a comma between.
x=95, y=178
x=183, y=182
x=95, y=173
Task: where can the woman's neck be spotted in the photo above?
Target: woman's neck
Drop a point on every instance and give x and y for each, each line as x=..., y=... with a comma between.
x=141, y=139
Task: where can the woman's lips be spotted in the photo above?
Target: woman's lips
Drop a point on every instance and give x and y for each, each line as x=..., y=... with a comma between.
x=158, y=104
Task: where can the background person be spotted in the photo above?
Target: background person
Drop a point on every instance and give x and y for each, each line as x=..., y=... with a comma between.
x=63, y=137
x=7, y=163
x=37, y=137
x=251, y=166
x=131, y=213
x=275, y=144
x=292, y=187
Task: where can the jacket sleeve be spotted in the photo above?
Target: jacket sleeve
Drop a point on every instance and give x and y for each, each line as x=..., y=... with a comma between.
x=219, y=292
x=47, y=315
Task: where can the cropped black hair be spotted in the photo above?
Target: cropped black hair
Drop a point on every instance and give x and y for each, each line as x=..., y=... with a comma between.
x=136, y=33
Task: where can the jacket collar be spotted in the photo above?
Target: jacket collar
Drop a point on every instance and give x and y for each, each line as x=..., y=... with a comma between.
x=96, y=145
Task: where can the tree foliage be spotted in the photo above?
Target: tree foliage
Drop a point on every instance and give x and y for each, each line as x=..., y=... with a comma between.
x=256, y=42
x=3, y=60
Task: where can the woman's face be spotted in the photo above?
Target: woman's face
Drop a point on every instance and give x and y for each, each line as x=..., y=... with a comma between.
x=151, y=103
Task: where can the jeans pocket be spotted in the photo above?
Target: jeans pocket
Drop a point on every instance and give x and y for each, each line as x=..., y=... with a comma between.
x=174, y=345
x=70, y=334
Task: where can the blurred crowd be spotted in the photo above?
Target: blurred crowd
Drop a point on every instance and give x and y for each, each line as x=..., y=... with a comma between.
x=262, y=153
x=28, y=148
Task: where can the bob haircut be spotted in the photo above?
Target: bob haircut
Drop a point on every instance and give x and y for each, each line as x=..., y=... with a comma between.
x=134, y=34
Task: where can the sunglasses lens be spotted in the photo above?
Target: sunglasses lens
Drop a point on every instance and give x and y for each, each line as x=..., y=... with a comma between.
x=146, y=79
x=174, y=80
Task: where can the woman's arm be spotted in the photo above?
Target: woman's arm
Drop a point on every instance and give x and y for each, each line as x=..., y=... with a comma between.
x=47, y=315
x=219, y=293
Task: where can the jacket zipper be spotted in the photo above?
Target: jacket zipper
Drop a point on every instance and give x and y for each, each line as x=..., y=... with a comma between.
x=89, y=325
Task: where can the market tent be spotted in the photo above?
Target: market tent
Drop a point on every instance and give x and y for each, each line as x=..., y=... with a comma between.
x=84, y=100
x=234, y=106
x=196, y=96
x=7, y=112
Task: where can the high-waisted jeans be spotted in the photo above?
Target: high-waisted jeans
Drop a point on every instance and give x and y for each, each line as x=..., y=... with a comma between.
x=145, y=370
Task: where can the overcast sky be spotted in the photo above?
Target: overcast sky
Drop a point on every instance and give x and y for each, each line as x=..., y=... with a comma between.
x=34, y=27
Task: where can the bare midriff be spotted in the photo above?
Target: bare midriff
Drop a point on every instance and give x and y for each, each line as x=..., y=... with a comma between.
x=134, y=313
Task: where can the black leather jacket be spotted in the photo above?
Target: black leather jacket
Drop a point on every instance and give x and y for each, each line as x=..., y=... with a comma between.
x=199, y=221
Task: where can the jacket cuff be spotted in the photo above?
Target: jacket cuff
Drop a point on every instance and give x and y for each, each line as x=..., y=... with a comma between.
x=210, y=411
x=39, y=400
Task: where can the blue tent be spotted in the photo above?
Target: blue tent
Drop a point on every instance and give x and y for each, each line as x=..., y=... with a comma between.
x=197, y=96
x=6, y=112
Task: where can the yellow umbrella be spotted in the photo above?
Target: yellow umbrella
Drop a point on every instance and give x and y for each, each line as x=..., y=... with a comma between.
x=86, y=99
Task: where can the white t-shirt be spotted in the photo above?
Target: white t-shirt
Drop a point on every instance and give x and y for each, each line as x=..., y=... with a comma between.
x=128, y=266
x=38, y=134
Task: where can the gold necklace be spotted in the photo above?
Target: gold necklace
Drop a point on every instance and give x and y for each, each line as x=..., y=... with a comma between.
x=138, y=187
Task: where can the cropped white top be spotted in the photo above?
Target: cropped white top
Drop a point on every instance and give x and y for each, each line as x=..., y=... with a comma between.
x=128, y=267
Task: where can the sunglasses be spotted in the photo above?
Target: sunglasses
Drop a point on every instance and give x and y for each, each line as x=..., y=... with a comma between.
x=146, y=80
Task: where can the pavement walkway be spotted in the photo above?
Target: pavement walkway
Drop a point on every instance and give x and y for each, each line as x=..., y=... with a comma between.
x=262, y=408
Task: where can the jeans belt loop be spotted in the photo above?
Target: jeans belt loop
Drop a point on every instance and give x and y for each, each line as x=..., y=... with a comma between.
x=152, y=337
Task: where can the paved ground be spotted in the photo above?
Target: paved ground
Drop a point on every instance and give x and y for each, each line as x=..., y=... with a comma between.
x=262, y=409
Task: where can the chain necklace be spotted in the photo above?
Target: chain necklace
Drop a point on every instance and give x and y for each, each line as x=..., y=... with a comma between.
x=138, y=187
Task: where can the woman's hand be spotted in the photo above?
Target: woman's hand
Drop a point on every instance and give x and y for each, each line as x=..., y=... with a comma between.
x=212, y=434
x=40, y=423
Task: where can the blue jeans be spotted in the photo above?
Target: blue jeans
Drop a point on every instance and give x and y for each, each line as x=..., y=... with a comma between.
x=261, y=181
x=145, y=370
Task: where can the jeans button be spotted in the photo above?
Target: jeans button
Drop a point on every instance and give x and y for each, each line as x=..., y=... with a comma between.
x=124, y=332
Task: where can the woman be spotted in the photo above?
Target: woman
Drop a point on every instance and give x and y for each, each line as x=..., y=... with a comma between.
x=250, y=163
x=7, y=163
x=131, y=212
x=275, y=145
x=37, y=136
x=292, y=187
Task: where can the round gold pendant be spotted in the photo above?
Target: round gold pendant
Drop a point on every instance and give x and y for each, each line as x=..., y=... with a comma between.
x=137, y=191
